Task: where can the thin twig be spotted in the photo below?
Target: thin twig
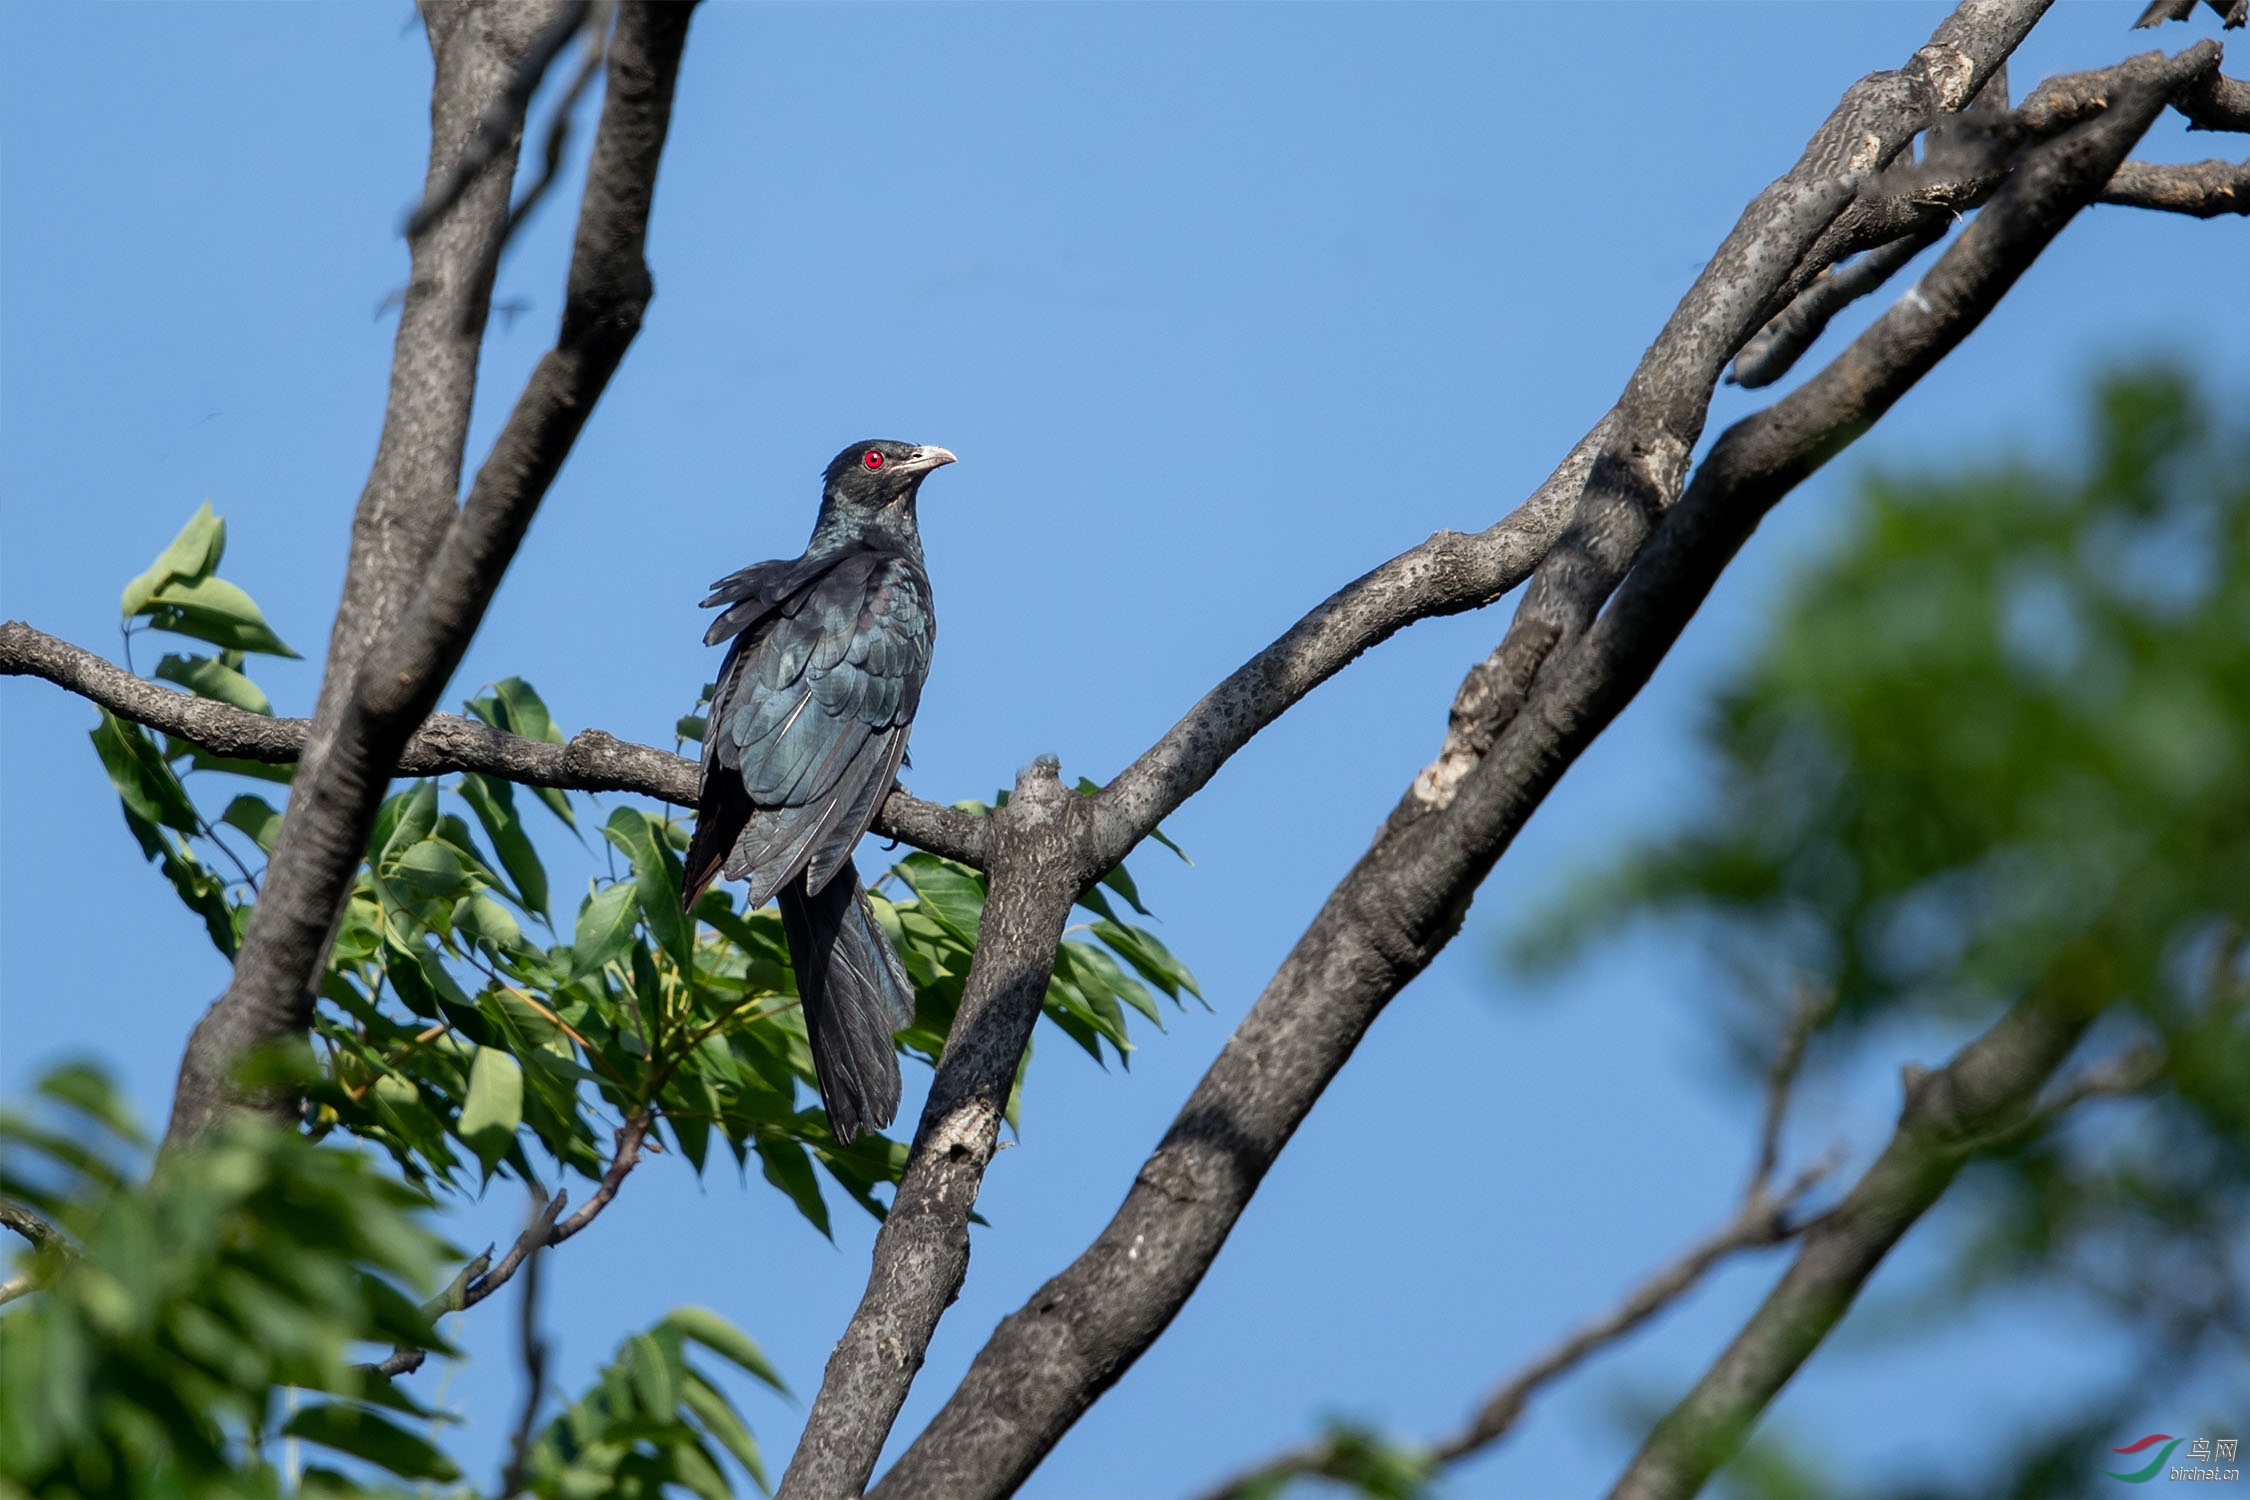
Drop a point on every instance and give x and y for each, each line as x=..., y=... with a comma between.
x=501, y=119
x=1762, y=1218
x=1808, y=1012
x=533, y=1350
x=625, y=1158
x=559, y=128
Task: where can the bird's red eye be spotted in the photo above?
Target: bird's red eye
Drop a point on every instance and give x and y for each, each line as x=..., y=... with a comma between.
x=872, y=459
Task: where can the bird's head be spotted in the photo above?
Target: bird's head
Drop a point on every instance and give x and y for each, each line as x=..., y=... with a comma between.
x=873, y=484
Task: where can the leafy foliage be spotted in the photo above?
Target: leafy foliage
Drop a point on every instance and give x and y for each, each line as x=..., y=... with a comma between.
x=1999, y=740
x=150, y=1357
x=466, y=1028
x=651, y=1418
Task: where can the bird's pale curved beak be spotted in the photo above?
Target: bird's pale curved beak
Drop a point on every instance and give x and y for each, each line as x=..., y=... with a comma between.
x=930, y=458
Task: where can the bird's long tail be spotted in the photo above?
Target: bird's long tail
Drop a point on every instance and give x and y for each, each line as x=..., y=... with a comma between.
x=855, y=995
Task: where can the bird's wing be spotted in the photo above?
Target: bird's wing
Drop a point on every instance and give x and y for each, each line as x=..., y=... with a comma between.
x=753, y=593
x=812, y=712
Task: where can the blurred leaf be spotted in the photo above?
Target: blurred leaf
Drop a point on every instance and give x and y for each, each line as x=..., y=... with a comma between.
x=363, y=1434
x=255, y=817
x=730, y=1343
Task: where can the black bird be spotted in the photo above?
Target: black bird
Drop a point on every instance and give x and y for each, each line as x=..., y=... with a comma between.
x=806, y=734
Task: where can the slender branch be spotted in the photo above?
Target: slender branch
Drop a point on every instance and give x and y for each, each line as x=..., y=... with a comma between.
x=533, y=1351
x=1404, y=900
x=16, y=1286
x=592, y=762
x=1987, y=1086
x=480, y=1278
x=1807, y=1014
x=596, y=29
x=1761, y=1219
x=501, y=122
x=2230, y=12
x=2203, y=189
x=1769, y=356
x=621, y=1161
x=32, y=1226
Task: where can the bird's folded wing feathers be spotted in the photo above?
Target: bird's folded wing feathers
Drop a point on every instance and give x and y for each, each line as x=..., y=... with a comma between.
x=813, y=706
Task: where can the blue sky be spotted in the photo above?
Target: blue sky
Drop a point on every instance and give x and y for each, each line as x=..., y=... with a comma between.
x=1220, y=305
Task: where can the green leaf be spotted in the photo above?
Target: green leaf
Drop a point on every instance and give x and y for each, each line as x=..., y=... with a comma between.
x=656, y=879
x=208, y=677
x=692, y=727
x=605, y=928
x=652, y=1375
x=495, y=1106
x=719, y=1418
x=143, y=781
x=214, y=610
x=788, y=1168
x=430, y=867
x=414, y=817
x=494, y=803
x=954, y=894
x=364, y=1435
x=515, y=706
x=194, y=553
x=1120, y=880
x=481, y=919
x=730, y=1343
x=256, y=817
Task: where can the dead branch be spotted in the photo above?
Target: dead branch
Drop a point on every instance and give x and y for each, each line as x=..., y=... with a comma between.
x=2203, y=189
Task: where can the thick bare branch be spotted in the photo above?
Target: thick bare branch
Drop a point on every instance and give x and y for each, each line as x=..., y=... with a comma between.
x=2216, y=102
x=333, y=802
x=1632, y=465
x=593, y=761
x=1774, y=352
x=1039, y=862
x=2203, y=189
x=1405, y=898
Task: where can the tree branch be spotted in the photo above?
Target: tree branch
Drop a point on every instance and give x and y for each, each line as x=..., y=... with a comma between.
x=394, y=685
x=1632, y=465
x=1988, y=1085
x=593, y=761
x=43, y=1235
x=1405, y=898
x=1760, y=1219
x=2203, y=189
x=500, y=125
